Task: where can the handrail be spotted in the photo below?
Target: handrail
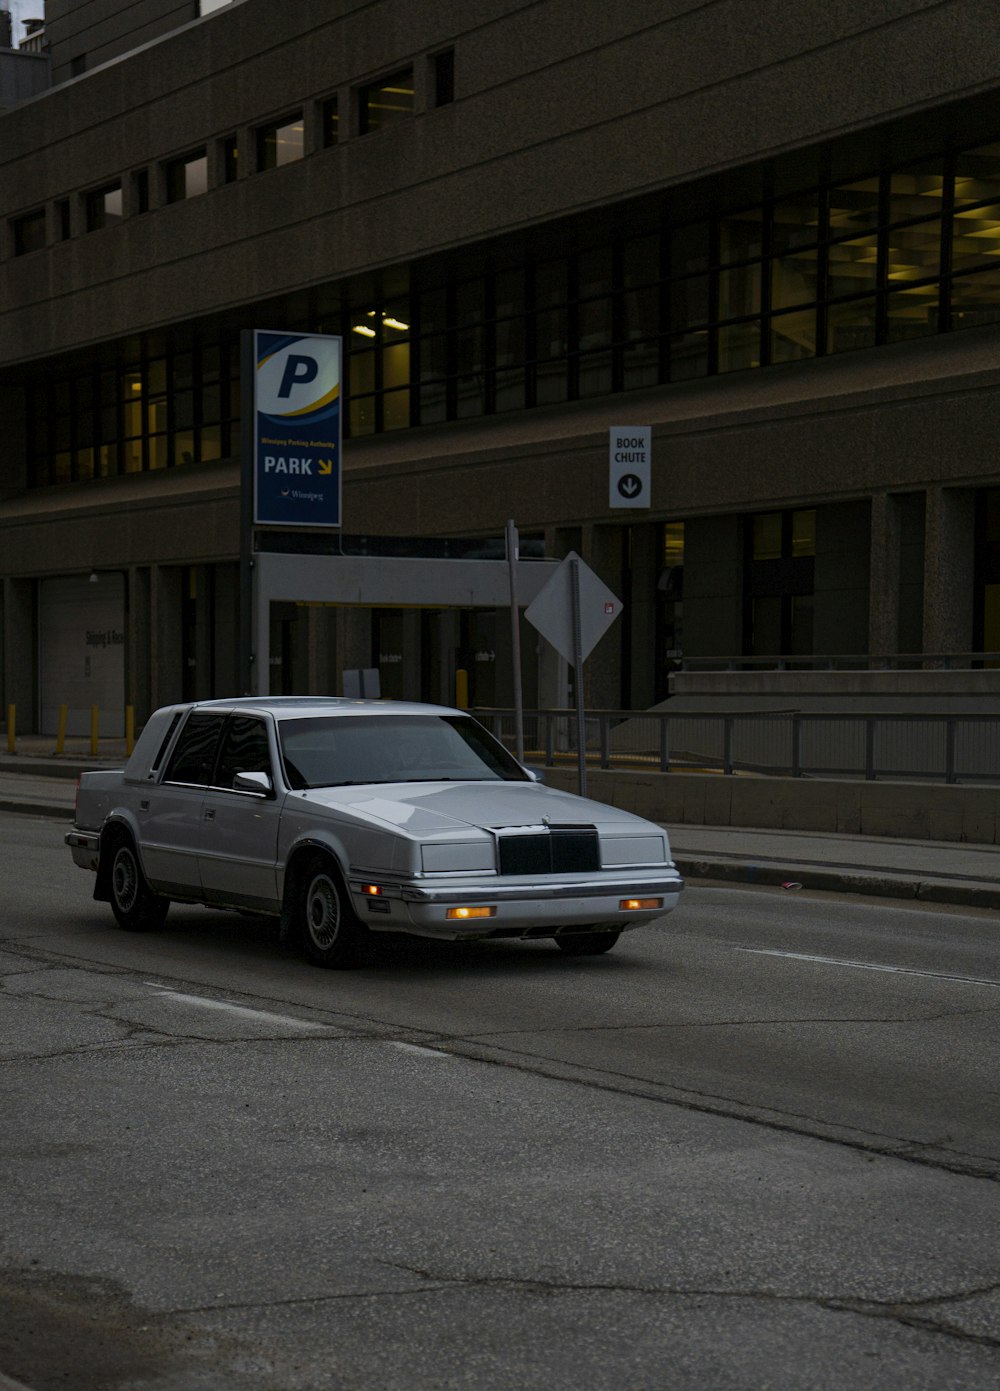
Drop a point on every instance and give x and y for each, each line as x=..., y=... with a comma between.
x=942, y=746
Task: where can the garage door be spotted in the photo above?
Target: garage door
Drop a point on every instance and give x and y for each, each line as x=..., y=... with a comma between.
x=81, y=640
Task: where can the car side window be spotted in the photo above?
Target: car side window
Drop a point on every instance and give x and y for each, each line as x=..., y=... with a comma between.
x=245, y=749
x=194, y=757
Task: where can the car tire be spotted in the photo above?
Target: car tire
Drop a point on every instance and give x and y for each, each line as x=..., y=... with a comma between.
x=328, y=932
x=135, y=906
x=587, y=943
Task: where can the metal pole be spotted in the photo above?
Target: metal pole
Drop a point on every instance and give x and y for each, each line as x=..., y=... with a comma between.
x=515, y=636
x=246, y=628
x=581, y=727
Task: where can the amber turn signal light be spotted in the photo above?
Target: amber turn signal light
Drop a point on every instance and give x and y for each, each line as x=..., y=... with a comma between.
x=465, y=913
x=631, y=903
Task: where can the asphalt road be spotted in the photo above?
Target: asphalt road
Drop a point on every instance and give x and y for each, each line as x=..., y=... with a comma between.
x=755, y=1146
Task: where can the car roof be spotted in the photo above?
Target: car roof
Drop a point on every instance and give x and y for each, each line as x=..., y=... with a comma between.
x=298, y=707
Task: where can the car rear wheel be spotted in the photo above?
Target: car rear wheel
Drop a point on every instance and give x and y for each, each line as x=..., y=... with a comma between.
x=135, y=906
x=587, y=943
x=329, y=932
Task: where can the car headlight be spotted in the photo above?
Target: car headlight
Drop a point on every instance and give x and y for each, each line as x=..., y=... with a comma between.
x=458, y=857
x=633, y=850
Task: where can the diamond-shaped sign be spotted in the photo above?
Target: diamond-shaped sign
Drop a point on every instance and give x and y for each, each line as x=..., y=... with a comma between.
x=551, y=611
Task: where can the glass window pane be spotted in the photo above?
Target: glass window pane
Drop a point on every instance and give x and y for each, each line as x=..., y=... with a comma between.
x=158, y=451
x=361, y=368
x=156, y=376
x=210, y=442
x=594, y=377
x=915, y=252
x=793, y=336
x=689, y=302
x=852, y=266
x=594, y=273
x=509, y=390
x=184, y=410
x=182, y=451
x=331, y=121
x=113, y=204
x=739, y=291
x=850, y=326
x=976, y=237
x=469, y=302
x=977, y=175
x=917, y=191
x=156, y=415
x=641, y=261
x=550, y=284
x=804, y=531
x=280, y=144
x=550, y=383
x=211, y=402
x=29, y=233
x=641, y=364
x=550, y=333
x=975, y=299
x=387, y=101
x=210, y=362
x=740, y=236
x=794, y=279
x=132, y=455
x=767, y=536
x=396, y=365
x=510, y=343
x=433, y=403
x=433, y=358
x=853, y=206
x=912, y=313
x=508, y=293
x=688, y=356
x=739, y=346
x=795, y=221
x=362, y=416
x=689, y=248
x=196, y=176
x=396, y=410
x=594, y=324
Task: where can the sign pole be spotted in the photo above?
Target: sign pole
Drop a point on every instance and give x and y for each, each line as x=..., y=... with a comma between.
x=247, y=446
x=581, y=727
x=515, y=634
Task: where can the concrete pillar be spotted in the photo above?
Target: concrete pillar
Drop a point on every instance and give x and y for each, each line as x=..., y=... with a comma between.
x=20, y=652
x=321, y=650
x=204, y=632
x=165, y=619
x=949, y=561
x=226, y=629
x=138, y=644
x=354, y=642
x=884, y=575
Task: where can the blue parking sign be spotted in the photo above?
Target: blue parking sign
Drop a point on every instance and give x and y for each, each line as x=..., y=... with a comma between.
x=296, y=429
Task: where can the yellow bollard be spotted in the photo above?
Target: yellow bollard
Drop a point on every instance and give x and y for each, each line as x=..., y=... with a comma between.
x=61, y=736
x=462, y=688
x=11, y=723
x=93, y=730
x=129, y=730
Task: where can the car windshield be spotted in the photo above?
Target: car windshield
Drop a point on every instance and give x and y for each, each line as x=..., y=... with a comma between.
x=343, y=750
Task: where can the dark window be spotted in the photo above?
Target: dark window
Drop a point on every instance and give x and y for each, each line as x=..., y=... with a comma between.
x=63, y=219
x=330, y=118
x=387, y=101
x=140, y=184
x=230, y=159
x=78, y=65
x=29, y=233
x=444, y=77
x=187, y=177
x=245, y=749
x=165, y=742
x=281, y=143
x=194, y=757
x=104, y=207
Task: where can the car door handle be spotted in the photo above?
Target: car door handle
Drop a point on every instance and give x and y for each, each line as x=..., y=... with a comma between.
x=210, y=814
x=144, y=804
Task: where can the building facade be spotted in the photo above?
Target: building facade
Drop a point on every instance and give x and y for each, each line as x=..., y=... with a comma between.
x=772, y=234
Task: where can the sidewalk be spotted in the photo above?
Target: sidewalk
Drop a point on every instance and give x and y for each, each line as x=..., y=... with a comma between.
x=931, y=871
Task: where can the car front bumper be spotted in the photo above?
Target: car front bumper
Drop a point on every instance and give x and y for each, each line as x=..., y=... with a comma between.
x=521, y=907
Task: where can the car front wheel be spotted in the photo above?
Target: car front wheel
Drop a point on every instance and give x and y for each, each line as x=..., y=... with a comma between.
x=135, y=906
x=587, y=943
x=330, y=934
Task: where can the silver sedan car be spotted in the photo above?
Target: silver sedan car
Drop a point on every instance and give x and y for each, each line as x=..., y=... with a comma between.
x=346, y=817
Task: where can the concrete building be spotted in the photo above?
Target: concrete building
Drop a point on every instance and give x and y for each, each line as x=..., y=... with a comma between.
x=770, y=233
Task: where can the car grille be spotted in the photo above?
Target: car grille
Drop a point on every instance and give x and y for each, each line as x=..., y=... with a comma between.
x=559, y=850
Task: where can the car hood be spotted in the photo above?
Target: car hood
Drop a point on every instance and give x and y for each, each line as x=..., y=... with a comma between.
x=445, y=808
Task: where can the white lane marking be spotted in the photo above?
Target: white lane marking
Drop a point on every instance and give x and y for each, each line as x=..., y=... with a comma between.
x=415, y=1048
x=870, y=966
x=258, y=1014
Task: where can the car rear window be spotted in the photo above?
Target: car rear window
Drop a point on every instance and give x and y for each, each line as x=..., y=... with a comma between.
x=194, y=757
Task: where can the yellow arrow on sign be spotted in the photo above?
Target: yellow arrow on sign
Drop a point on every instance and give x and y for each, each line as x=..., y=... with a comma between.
x=326, y=465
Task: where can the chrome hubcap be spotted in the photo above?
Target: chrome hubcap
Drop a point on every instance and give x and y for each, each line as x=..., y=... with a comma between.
x=125, y=879
x=323, y=912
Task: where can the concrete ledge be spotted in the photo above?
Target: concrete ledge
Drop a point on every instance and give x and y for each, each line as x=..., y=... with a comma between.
x=910, y=810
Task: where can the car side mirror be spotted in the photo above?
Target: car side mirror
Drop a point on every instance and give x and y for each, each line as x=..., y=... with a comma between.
x=535, y=774
x=260, y=783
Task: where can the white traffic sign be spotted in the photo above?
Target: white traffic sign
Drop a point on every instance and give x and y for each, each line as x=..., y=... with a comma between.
x=630, y=452
x=551, y=612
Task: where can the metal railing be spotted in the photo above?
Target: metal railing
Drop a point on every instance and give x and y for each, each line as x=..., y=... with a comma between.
x=889, y=661
x=950, y=748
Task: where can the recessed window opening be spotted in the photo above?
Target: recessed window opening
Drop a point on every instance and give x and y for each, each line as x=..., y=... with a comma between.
x=387, y=101
x=281, y=143
x=187, y=177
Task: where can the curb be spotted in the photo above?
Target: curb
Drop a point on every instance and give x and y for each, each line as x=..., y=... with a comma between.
x=874, y=885
x=47, y=809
